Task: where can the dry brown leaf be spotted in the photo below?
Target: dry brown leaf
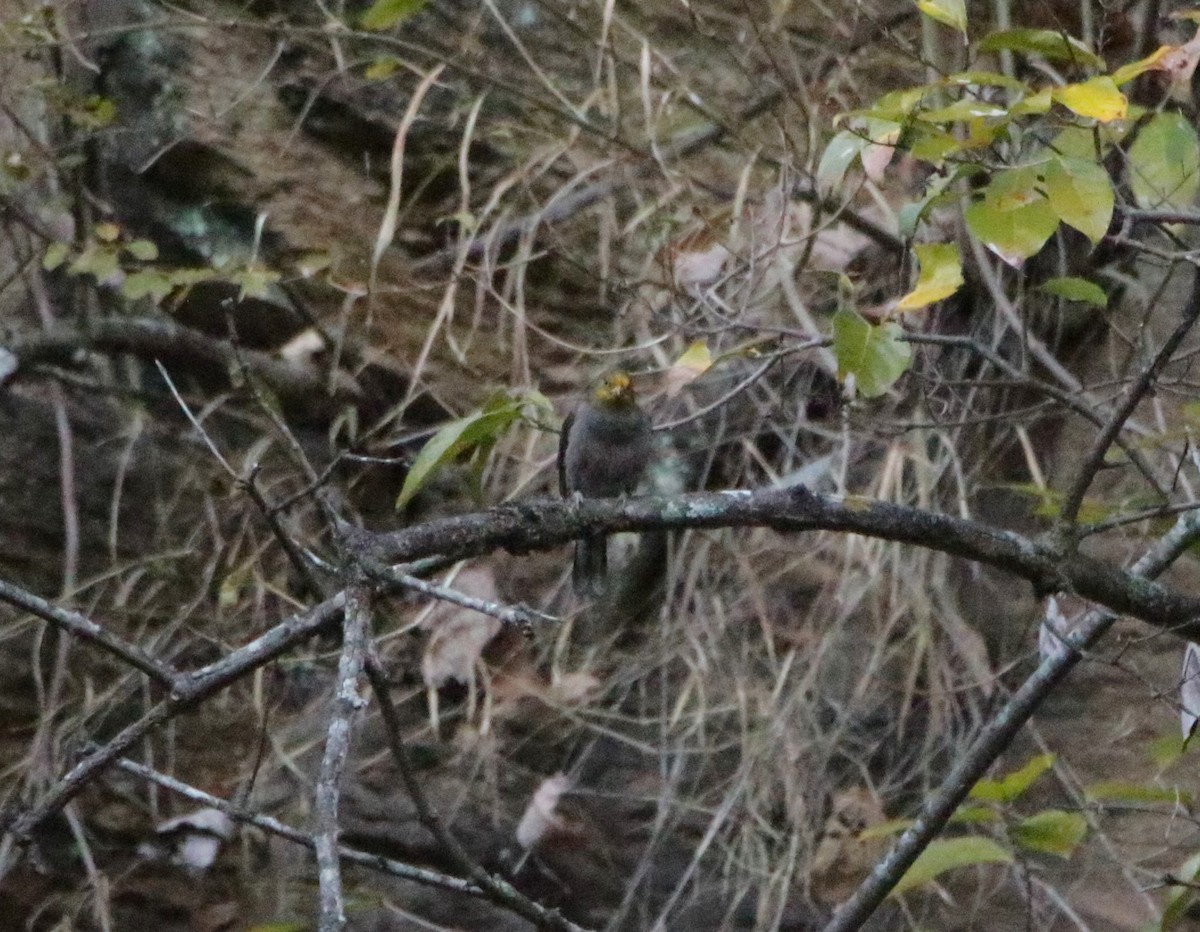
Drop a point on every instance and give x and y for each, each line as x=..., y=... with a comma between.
x=843, y=859
x=539, y=818
x=458, y=635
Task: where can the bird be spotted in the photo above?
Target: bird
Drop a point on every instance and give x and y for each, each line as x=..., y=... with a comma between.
x=603, y=450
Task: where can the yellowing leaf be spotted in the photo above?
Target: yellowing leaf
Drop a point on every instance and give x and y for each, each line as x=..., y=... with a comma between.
x=695, y=361
x=384, y=14
x=1152, y=62
x=952, y=13
x=107, y=232
x=1012, y=786
x=949, y=854
x=1097, y=99
x=941, y=275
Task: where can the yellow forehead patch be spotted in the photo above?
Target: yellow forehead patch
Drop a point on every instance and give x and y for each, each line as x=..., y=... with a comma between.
x=619, y=380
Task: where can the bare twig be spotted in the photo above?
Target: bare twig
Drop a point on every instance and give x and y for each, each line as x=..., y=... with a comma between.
x=275, y=827
x=998, y=735
x=497, y=889
x=1095, y=456
x=519, y=615
x=85, y=629
x=187, y=692
x=347, y=702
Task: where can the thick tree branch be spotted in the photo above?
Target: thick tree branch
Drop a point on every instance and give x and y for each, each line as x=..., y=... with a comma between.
x=542, y=524
x=151, y=338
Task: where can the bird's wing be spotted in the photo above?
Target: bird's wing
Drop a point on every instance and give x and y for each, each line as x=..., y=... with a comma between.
x=564, y=433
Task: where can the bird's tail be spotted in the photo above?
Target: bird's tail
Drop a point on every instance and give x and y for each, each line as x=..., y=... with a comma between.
x=590, y=572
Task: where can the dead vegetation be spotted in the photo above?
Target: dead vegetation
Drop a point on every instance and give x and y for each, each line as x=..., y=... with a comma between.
x=360, y=236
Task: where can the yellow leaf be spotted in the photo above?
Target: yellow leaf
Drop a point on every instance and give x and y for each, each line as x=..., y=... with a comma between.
x=695, y=361
x=1097, y=99
x=1152, y=62
x=107, y=232
x=941, y=275
x=952, y=13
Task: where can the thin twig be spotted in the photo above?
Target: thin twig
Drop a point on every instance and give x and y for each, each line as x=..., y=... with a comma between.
x=275, y=827
x=85, y=629
x=997, y=736
x=347, y=703
x=501, y=891
x=1095, y=456
x=188, y=691
x=520, y=616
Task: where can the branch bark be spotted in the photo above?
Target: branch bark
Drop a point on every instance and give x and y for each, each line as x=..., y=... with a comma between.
x=542, y=524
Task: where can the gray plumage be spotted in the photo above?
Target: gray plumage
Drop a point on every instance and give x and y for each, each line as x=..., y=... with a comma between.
x=603, y=451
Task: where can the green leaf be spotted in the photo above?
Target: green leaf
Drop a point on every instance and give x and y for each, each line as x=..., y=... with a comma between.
x=1081, y=194
x=1164, y=162
x=1014, y=234
x=1012, y=786
x=1116, y=791
x=1045, y=42
x=150, y=282
x=961, y=111
x=836, y=159
x=1181, y=898
x=381, y=68
x=480, y=429
x=56, y=255
x=952, y=13
x=1076, y=289
x=384, y=14
x=983, y=79
x=949, y=854
x=932, y=145
x=1167, y=750
x=941, y=275
x=254, y=281
x=964, y=815
x=874, y=354
x=1051, y=831
x=143, y=250
x=97, y=260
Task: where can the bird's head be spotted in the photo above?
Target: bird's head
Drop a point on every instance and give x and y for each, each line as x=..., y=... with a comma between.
x=615, y=390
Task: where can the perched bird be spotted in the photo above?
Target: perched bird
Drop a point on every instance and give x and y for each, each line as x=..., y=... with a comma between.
x=604, y=448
